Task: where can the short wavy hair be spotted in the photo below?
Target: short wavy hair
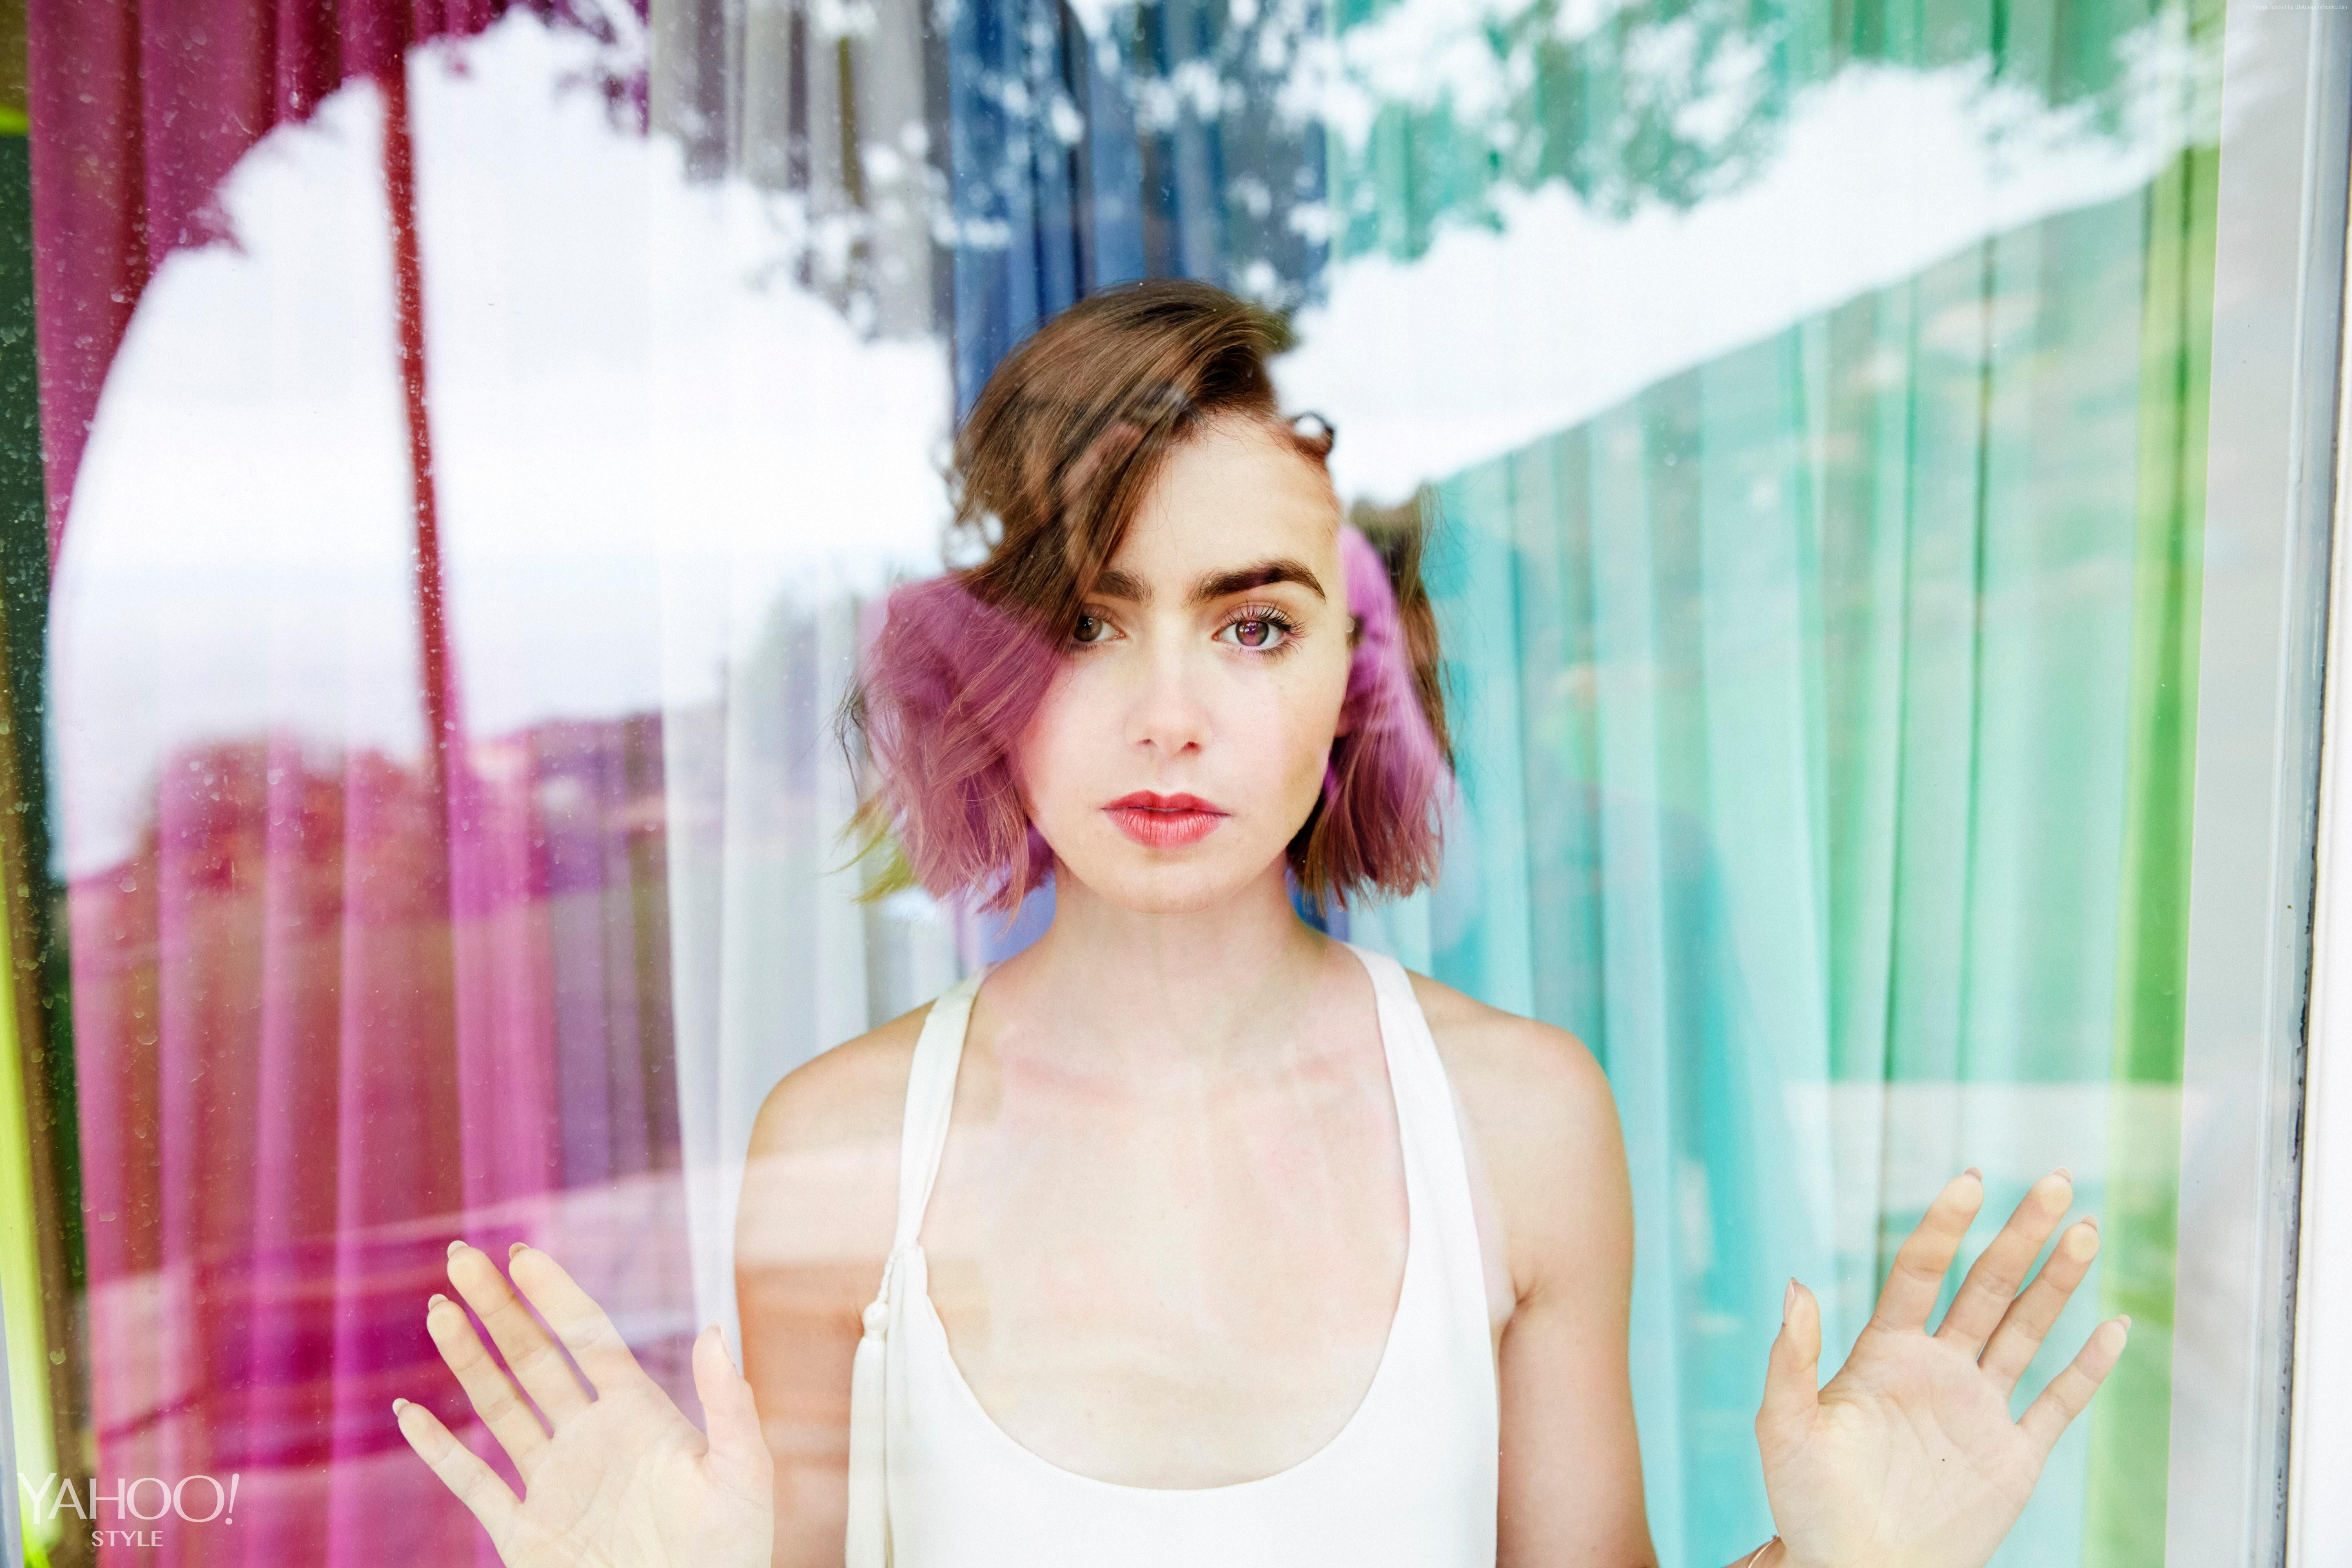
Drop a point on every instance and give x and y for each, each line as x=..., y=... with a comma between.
x=1050, y=470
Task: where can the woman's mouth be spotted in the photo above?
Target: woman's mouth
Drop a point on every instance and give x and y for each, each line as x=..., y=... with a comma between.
x=1164, y=821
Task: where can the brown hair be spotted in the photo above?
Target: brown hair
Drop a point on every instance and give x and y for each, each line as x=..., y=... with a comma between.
x=1051, y=468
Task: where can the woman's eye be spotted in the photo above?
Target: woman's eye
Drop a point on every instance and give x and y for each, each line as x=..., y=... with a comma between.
x=1257, y=634
x=1090, y=629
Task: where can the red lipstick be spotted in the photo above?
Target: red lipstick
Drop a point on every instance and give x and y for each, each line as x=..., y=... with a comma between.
x=1164, y=821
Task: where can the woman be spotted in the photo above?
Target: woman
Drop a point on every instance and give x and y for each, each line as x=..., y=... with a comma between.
x=1202, y=1236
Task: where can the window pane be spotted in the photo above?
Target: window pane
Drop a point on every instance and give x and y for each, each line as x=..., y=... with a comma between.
x=475, y=458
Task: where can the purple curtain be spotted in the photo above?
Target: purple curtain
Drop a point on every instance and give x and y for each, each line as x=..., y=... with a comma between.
x=334, y=1006
x=138, y=111
x=301, y=1075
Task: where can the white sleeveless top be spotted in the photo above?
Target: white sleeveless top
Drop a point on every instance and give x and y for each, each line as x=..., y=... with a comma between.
x=1409, y=1480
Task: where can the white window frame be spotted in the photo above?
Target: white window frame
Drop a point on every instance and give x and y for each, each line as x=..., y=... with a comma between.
x=2271, y=502
x=2319, y=1445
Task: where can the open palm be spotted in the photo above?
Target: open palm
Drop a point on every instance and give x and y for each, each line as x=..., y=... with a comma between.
x=622, y=1480
x=1908, y=1458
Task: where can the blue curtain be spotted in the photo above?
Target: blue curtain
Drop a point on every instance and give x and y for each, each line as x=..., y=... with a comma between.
x=1149, y=146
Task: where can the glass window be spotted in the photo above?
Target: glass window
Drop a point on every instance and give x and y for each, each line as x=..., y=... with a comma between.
x=453, y=463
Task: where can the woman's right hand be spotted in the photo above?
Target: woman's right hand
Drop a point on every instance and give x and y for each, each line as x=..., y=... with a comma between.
x=624, y=1479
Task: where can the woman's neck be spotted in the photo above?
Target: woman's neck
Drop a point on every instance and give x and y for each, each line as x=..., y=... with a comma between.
x=1158, y=992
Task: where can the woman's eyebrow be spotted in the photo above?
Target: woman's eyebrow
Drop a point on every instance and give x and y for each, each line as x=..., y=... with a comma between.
x=1259, y=574
x=1114, y=584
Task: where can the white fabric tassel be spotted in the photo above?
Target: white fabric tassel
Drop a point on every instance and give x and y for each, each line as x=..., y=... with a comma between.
x=868, y=1545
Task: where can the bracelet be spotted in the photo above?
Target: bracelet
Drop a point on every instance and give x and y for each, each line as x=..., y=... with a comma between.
x=1758, y=1555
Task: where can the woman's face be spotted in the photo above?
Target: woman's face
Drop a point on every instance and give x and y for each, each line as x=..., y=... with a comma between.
x=1183, y=741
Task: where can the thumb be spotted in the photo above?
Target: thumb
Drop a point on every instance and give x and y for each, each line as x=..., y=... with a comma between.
x=738, y=1451
x=1793, y=1380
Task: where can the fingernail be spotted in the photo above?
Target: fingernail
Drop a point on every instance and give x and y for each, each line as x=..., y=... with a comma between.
x=1973, y=1171
x=457, y=1246
x=518, y=1246
x=399, y=1408
x=2125, y=1321
x=2062, y=1171
x=2091, y=1220
x=1788, y=1300
x=435, y=1300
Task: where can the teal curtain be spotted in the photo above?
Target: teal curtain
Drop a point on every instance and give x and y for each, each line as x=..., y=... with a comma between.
x=1825, y=712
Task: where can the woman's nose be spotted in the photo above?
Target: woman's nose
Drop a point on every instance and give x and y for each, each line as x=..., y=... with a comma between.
x=1169, y=711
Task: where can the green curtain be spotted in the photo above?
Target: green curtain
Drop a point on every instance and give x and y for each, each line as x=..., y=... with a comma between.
x=1825, y=714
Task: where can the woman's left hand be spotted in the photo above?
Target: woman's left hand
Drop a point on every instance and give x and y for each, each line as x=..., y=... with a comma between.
x=1908, y=1458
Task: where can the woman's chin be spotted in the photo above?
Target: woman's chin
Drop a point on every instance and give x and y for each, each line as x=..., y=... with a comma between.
x=1167, y=889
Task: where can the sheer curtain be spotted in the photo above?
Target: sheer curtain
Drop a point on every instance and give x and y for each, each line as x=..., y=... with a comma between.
x=808, y=146
x=945, y=188
x=367, y=951
x=1825, y=670
x=396, y=894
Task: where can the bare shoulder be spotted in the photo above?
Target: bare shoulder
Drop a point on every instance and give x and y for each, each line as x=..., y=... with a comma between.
x=820, y=1176
x=852, y=1092
x=1545, y=1123
x=1516, y=1078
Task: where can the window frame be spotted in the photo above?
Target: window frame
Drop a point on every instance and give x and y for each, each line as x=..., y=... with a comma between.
x=2319, y=1445
x=2271, y=507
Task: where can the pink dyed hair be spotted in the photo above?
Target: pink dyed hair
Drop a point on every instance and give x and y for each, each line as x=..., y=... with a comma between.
x=1053, y=464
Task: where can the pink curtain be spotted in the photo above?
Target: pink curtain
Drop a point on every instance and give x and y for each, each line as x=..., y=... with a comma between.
x=335, y=1007
x=139, y=108
x=299, y=1075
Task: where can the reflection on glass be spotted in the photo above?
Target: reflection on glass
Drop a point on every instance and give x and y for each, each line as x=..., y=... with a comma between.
x=1812, y=397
